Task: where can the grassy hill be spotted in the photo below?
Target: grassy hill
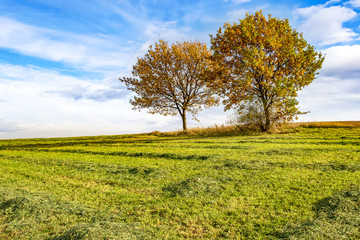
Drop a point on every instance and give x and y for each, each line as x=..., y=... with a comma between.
x=296, y=185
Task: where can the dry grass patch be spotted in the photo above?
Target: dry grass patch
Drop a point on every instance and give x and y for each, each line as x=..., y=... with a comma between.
x=330, y=124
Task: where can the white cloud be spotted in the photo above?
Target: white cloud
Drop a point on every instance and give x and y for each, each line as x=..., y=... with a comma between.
x=335, y=95
x=354, y=3
x=324, y=25
x=39, y=103
x=331, y=99
x=30, y=104
x=93, y=53
x=342, y=61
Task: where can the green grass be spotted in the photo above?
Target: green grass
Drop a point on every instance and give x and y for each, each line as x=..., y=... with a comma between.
x=304, y=184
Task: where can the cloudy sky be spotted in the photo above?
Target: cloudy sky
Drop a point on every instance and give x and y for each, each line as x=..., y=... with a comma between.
x=60, y=60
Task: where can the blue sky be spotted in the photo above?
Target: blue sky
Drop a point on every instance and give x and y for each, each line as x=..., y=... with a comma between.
x=60, y=60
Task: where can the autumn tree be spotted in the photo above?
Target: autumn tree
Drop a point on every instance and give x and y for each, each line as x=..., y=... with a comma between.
x=263, y=62
x=169, y=79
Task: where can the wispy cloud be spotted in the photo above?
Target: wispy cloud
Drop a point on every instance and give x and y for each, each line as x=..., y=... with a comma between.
x=331, y=2
x=234, y=16
x=92, y=53
x=42, y=103
x=151, y=28
x=8, y=126
x=85, y=92
x=53, y=82
x=238, y=1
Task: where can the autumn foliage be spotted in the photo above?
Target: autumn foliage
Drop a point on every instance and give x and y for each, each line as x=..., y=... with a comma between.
x=256, y=66
x=261, y=64
x=169, y=79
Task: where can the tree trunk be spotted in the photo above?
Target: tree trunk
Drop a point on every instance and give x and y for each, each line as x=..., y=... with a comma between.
x=183, y=117
x=267, y=125
x=267, y=120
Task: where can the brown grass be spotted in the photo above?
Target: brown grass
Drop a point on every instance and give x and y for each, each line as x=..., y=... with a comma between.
x=216, y=130
x=329, y=124
x=233, y=130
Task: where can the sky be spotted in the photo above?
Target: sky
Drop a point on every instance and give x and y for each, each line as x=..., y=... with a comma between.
x=60, y=60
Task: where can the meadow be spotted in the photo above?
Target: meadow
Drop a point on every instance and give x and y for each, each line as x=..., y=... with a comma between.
x=303, y=183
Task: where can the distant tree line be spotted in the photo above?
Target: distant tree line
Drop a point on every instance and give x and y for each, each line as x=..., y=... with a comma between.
x=256, y=66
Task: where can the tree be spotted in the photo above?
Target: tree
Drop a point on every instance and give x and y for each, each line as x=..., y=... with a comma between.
x=169, y=79
x=263, y=61
x=251, y=115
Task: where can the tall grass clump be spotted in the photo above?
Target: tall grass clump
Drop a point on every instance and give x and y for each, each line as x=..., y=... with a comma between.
x=212, y=131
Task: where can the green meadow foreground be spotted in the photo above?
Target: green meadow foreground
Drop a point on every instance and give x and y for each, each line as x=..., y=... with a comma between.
x=302, y=184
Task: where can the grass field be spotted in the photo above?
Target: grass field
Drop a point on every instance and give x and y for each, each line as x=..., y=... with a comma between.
x=304, y=184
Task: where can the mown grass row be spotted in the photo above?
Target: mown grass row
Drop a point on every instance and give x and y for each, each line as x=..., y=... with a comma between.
x=302, y=184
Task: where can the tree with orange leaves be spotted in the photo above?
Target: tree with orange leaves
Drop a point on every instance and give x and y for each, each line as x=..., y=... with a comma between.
x=169, y=79
x=262, y=61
